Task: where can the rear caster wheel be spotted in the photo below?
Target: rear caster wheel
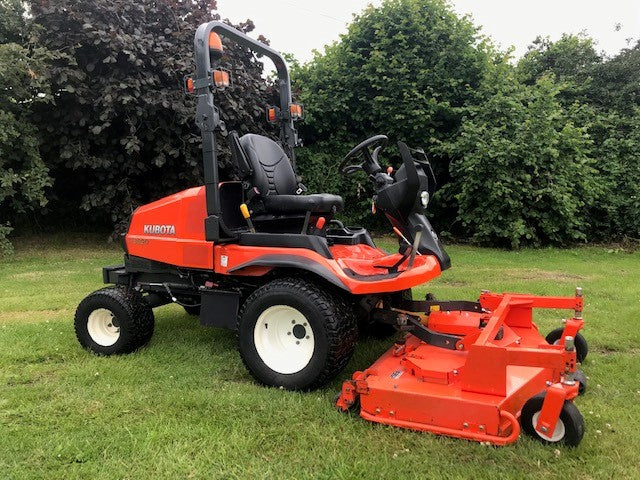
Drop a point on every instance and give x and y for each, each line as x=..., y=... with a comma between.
x=582, y=348
x=294, y=334
x=569, y=428
x=114, y=320
x=581, y=378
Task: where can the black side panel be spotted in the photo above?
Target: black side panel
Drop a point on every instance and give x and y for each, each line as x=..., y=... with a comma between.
x=219, y=309
x=290, y=240
x=115, y=274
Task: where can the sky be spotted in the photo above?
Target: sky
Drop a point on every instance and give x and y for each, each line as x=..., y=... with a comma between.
x=300, y=26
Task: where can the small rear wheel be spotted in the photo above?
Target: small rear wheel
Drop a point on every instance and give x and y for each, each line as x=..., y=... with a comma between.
x=569, y=429
x=113, y=320
x=582, y=348
x=581, y=378
x=294, y=334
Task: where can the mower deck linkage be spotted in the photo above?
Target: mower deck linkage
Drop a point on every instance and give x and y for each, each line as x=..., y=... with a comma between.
x=474, y=370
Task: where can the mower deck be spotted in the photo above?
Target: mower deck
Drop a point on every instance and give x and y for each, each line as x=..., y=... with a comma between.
x=476, y=387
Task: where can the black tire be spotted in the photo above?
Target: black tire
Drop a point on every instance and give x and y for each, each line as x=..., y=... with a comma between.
x=582, y=347
x=333, y=328
x=570, y=417
x=130, y=313
x=192, y=310
x=581, y=378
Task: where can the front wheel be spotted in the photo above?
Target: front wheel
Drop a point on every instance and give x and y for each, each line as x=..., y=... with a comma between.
x=294, y=334
x=569, y=429
x=114, y=320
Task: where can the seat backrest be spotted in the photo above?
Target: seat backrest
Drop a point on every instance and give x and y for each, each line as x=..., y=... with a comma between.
x=272, y=170
x=239, y=157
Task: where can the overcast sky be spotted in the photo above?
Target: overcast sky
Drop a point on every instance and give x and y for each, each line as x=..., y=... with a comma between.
x=299, y=26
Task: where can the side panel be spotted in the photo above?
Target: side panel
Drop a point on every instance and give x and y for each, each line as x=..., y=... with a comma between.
x=171, y=230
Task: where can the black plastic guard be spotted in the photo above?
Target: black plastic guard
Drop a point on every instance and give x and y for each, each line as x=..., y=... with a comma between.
x=219, y=308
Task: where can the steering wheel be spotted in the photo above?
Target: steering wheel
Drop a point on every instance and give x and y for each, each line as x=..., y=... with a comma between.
x=369, y=161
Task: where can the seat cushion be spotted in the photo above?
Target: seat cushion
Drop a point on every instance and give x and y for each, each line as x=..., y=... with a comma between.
x=317, y=203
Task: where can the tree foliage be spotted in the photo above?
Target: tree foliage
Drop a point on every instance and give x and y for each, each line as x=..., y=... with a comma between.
x=23, y=84
x=93, y=118
x=522, y=174
x=407, y=69
x=605, y=94
x=121, y=130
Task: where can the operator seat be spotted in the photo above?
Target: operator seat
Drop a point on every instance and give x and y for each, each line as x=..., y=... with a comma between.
x=263, y=164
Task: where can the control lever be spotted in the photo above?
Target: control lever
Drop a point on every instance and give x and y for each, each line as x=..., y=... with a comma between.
x=414, y=247
x=247, y=216
x=399, y=233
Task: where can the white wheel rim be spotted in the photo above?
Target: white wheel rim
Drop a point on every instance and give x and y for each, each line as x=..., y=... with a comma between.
x=103, y=327
x=284, y=339
x=558, y=432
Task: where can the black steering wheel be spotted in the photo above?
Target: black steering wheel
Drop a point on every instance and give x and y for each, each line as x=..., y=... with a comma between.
x=369, y=161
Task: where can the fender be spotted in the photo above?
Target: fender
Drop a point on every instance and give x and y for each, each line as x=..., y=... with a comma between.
x=293, y=261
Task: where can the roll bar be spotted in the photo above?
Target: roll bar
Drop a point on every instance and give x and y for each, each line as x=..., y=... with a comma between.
x=208, y=117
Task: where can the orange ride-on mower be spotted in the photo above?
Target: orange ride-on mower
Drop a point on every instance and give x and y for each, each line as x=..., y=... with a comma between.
x=263, y=258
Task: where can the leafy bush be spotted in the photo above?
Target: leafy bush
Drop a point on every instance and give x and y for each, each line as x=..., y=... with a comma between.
x=521, y=174
x=406, y=69
x=608, y=92
x=23, y=175
x=122, y=131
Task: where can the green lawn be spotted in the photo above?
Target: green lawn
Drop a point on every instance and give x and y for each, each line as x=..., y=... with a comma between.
x=184, y=407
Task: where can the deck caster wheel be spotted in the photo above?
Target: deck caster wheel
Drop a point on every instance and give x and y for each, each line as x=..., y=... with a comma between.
x=569, y=428
x=582, y=348
x=114, y=320
x=581, y=378
x=294, y=334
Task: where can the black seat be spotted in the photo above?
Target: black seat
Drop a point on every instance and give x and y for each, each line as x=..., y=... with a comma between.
x=265, y=165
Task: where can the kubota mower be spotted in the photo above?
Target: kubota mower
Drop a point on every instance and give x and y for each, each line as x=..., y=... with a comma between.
x=260, y=256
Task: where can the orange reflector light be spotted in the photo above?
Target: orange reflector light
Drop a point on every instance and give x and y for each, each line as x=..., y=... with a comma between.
x=221, y=78
x=215, y=43
x=272, y=114
x=295, y=110
x=189, y=84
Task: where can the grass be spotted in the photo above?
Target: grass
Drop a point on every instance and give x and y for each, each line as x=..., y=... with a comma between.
x=184, y=407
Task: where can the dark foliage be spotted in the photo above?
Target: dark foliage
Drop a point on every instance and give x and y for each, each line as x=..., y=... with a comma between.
x=121, y=131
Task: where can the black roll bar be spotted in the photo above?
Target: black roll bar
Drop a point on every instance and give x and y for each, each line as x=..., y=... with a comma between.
x=208, y=117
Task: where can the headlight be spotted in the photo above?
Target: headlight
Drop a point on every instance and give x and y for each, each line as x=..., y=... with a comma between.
x=424, y=198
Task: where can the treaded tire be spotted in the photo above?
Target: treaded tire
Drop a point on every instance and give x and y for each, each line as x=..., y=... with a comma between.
x=333, y=325
x=133, y=314
x=582, y=347
x=581, y=378
x=570, y=416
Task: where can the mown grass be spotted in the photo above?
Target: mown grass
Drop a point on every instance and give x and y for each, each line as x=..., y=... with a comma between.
x=184, y=407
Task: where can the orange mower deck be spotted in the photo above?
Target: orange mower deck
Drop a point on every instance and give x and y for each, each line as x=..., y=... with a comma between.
x=476, y=386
